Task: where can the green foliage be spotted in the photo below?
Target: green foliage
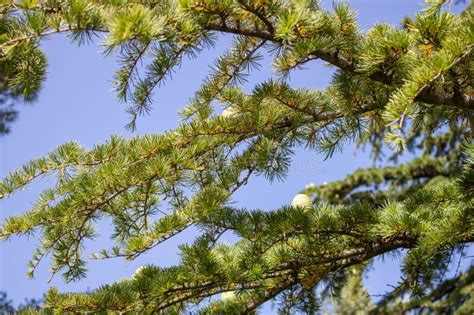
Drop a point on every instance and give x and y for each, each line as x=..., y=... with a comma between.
x=354, y=298
x=30, y=306
x=410, y=86
x=419, y=172
x=22, y=70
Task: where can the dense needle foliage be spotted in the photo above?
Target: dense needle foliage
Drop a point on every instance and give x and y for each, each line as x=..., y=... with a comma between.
x=408, y=86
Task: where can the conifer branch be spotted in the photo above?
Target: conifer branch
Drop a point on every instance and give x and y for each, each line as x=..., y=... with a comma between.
x=414, y=79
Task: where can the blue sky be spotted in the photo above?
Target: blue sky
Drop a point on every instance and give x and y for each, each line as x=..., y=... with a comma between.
x=77, y=103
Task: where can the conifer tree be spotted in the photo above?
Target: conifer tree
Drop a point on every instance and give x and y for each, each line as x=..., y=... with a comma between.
x=11, y=93
x=409, y=87
x=353, y=298
x=22, y=70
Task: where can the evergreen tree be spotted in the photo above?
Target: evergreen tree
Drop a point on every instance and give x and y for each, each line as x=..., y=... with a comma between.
x=6, y=305
x=409, y=86
x=22, y=70
x=11, y=95
x=354, y=299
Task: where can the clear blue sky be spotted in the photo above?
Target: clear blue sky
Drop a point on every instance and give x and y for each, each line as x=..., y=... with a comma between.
x=77, y=103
